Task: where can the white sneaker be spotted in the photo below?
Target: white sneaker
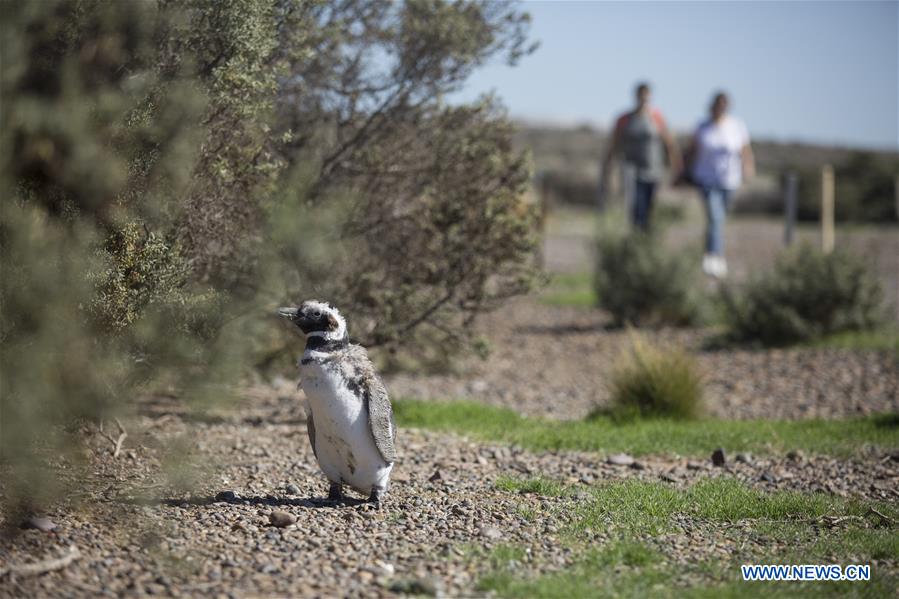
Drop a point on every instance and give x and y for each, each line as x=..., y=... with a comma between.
x=720, y=267
x=708, y=264
x=714, y=266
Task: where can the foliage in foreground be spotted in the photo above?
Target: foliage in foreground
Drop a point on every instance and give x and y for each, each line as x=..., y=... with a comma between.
x=642, y=283
x=651, y=436
x=806, y=296
x=162, y=162
x=636, y=514
x=651, y=381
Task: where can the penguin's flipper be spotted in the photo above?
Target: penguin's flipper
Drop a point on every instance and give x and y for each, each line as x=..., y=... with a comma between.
x=310, y=430
x=380, y=417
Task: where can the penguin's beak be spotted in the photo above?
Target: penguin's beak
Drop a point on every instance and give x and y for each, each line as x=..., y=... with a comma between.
x=288, y=313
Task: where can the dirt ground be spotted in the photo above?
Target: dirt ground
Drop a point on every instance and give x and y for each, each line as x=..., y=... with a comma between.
x=138, y=534
x=554, y=361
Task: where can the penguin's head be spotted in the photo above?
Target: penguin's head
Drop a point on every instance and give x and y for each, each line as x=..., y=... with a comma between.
x=317, y=319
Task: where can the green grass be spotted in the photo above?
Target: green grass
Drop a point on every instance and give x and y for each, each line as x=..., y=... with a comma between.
x=636, y=513
x=634, y=507
x=570, y=289
x=651, y=436
x=884, y=339
x=631, y=569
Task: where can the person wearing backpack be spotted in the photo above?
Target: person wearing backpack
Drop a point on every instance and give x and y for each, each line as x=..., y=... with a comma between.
x=642, y=138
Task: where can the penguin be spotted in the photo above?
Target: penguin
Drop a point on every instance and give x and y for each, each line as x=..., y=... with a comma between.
x=349, y=417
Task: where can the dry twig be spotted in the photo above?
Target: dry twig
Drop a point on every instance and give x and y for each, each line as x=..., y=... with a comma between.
x=117, y=443
x=881, y=515
x=44, y=566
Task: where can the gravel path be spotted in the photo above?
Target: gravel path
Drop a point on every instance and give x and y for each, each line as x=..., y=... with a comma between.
x=554, y=361
x=444, y=508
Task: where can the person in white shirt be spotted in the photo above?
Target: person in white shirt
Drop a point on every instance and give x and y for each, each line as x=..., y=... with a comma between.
x=721, y=159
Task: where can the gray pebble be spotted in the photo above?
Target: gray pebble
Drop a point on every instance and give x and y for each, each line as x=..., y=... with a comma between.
x=281, y=519
x=226, y=496
x=418, y=586
x=620, y=459
x=718, y=458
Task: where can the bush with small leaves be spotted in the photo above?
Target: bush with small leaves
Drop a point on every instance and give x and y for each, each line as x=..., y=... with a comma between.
x=807, y=295
x=644, y=284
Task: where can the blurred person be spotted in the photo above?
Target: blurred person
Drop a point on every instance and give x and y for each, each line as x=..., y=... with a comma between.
x=642, y=137
x=720, y=159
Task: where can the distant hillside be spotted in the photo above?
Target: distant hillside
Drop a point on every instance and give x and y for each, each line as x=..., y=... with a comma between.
x=581, y=149
x=568, y=160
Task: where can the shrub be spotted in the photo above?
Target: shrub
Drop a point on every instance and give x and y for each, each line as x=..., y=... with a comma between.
x=656, y=382
x=436, y=231
x=806, y=295
x=641, y=283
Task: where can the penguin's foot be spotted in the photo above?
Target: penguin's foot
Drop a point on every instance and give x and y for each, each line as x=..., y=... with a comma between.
x=335, y=492
x=376, y=498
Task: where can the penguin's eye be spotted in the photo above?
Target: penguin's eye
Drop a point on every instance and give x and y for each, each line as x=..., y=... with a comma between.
x=316, y=314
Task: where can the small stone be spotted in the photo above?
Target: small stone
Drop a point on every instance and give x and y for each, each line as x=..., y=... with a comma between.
x=435, y=477
x=292, y=489
x=768, y=477
x=479, y=386
x=365, y=576
x=281, y=519
x=491, y=532
x=226, y=496
x=40, y=523
x=718, y=458
x=620, y=459
x=638, y=466
x=694, y=466
x=795, y=455
x=417, y=586
x=743, y=458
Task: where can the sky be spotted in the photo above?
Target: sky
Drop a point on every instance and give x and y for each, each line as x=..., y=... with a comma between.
x=813, y=71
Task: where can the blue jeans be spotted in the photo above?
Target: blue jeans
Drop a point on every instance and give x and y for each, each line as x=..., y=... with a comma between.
x=716, y=200
x=643, y=195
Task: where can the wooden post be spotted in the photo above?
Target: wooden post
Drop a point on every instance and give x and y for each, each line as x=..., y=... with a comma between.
x=827, y=198
x=897, y=196
x=790, y=206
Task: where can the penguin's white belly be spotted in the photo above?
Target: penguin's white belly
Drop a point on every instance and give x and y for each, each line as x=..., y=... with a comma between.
x=344, y=445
